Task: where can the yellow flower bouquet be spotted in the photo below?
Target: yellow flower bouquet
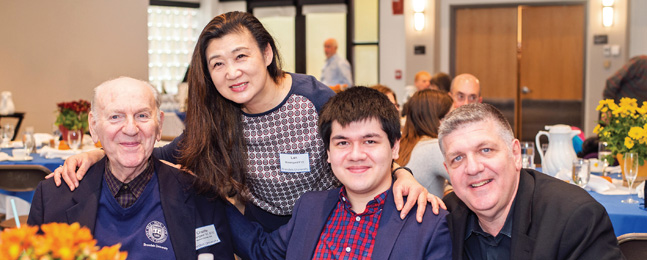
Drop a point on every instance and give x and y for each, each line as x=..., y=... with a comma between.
x=623, y=126
x=59, y=241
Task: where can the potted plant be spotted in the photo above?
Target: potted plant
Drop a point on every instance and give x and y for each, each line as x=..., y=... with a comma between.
x=72, y=116
x=624, y=127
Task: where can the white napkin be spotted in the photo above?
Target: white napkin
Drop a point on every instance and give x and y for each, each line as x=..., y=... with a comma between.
x=640, y=190
x=599, y=184
x=4, y=156
x=43, y=138
x=596, y=183
x=50, y=153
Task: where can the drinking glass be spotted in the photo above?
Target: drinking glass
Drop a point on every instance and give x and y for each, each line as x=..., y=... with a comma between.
x=7, y=135
x=528, y=155
x=28, y=142
x=56, y=133
x=631, y=171
x=74, y=139
x=604, y=155
x=581, y=172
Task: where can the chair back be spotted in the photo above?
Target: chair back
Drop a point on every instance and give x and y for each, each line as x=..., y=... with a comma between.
x=20, y=178
x=633, y=245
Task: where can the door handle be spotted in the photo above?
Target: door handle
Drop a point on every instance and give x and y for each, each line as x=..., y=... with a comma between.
x=525, y=90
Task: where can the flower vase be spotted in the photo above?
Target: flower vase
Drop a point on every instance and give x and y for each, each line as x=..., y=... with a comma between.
x=642, y=172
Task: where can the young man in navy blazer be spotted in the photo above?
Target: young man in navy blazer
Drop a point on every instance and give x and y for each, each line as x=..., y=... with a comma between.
x=361, y=133
x=130, y=197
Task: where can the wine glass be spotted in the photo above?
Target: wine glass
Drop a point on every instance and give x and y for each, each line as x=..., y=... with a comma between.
x=74, y=139
x=581, y=172
x=7, y=135
x=631, y=171
x=604, y=155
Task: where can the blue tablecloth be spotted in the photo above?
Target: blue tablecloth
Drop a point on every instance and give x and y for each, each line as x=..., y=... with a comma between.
x=50, y=164
x=626, y=218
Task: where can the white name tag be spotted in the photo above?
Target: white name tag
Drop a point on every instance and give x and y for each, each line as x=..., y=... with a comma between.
x=295, y=162
x=206, y=236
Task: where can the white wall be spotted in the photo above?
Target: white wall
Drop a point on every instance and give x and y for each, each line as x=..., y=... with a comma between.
x=595, y=73
x=637, y=28
x=392, y=48
x=54, y=51
x=426, y=38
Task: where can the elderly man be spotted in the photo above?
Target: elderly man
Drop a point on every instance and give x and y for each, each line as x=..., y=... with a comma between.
x=337, y=70
x=501, y=211
x=130, y=197
x=361, y=132
x=465, y=89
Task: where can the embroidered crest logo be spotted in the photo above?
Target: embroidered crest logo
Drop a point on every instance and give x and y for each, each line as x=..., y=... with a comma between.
x=156, y=232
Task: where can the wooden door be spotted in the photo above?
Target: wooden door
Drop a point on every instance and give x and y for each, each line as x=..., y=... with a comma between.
x=510, y=49
x=485, y=45
x=551, y=67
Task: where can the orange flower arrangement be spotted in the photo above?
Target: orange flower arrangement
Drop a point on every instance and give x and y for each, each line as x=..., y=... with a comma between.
x=59, y=241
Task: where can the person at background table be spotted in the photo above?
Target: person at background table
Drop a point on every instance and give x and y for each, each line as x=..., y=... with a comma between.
x=251, y=127
x=421, y=81
x=337, y=70
x=131, y=197
x=501, y=211
x=361, y=133
x=389, y=94
x=419, y=148
x=441, y=81
x=465, y=89
x=629, y=81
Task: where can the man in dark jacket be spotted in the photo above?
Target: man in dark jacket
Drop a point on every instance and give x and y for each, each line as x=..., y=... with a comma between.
x=499, y=211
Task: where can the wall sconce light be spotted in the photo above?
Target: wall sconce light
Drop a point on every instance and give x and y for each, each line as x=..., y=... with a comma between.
x=607, y=13
x=419, y=14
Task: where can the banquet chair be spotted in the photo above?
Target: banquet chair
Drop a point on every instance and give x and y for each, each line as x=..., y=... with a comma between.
x=633, y=245
x=20, y=178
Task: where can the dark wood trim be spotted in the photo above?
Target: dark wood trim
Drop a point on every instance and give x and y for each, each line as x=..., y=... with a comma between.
x=174, y=3
x=321, y=2
x=300, y=41
x=251, y=4
x=366, y=43
x=350, y=32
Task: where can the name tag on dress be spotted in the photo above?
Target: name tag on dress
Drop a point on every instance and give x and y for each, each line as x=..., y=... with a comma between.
x=206, y=236
x=295, y=162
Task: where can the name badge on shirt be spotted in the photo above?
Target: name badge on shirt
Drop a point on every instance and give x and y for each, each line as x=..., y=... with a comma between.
x=295, y=162
x=206, y=236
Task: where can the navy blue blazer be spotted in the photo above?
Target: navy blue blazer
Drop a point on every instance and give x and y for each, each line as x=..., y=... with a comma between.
x=396, y=238
x=184, y=210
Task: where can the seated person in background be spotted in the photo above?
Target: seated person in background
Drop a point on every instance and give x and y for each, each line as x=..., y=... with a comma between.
x=420, y=82
x=501, y=211
x=130, y=197
x=389, y=94
x=419, y=148
x=629, y=81
x=361, y=132
x=465, y=89
x=442, y=81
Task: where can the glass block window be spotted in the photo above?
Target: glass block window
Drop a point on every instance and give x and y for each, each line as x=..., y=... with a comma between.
x=172, y=34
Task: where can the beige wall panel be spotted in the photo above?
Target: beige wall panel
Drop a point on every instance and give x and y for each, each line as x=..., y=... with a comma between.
x=53, y=51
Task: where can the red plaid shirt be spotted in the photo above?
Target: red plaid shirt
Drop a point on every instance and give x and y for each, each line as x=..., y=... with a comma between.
x=348, y=235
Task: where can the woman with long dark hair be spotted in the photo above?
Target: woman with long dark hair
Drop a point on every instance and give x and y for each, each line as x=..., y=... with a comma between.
x=251, y=127
x=419, y=148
